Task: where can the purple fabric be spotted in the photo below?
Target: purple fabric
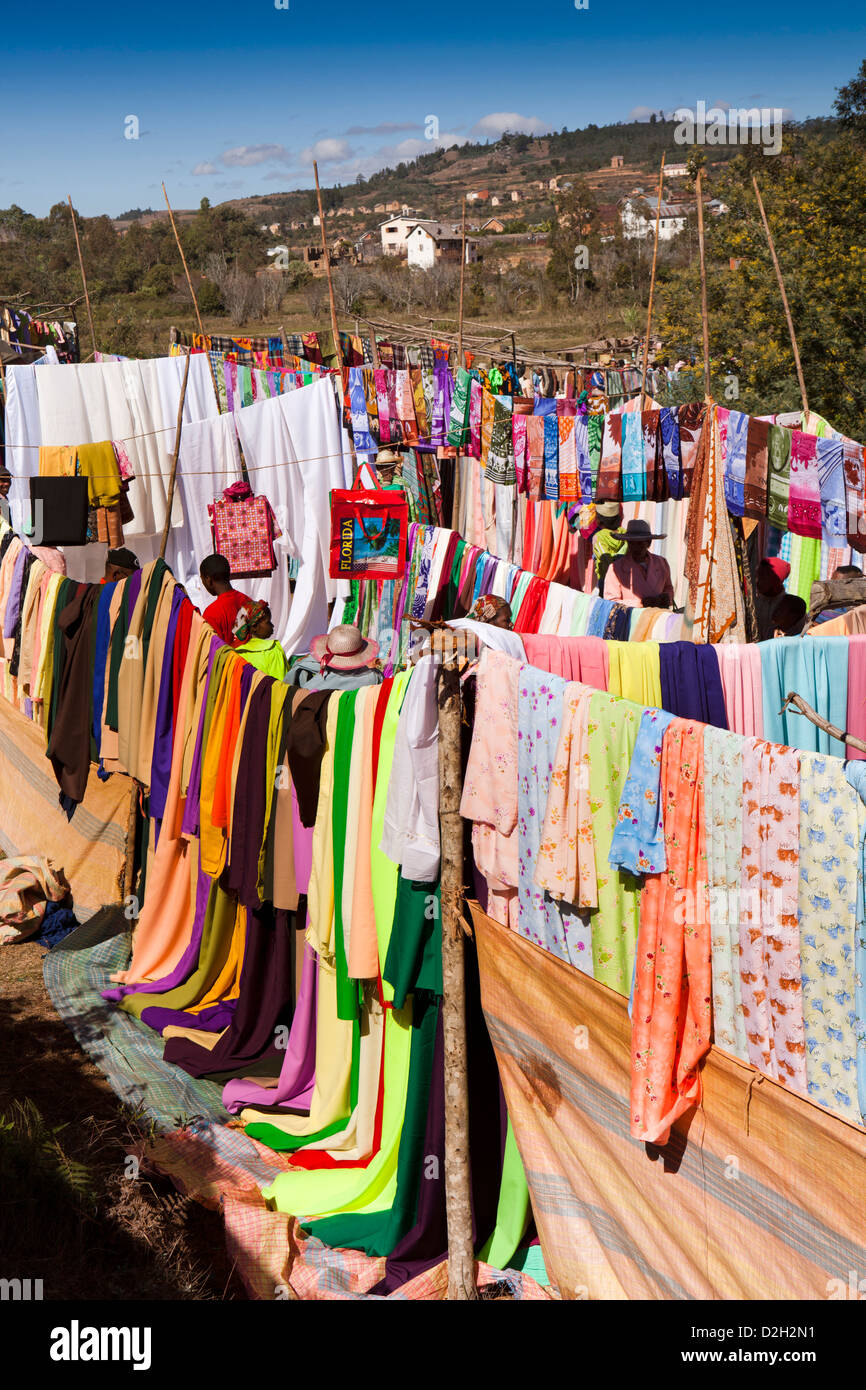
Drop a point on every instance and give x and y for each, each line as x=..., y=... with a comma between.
x=303, y=846
x=187, y=961
x=298, y=1073
x=13, y=603
x=211, y=1020
x=189, y=825
x=163, y=734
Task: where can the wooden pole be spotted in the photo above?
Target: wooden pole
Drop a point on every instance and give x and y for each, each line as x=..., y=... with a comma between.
x=649, y=312
x=327, y=257
x=705, y=323
x=460, y=362
x=174, y=458
x=83, y=276
x=183, y=260
x=458, y=1195
x=783, y=294
x=799, y=703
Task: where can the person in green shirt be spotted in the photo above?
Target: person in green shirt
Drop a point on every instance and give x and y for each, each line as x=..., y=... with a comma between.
x=253, y=632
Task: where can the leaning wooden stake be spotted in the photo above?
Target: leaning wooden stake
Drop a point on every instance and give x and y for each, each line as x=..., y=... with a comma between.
x=83, y=276
x=183, y=261
x=460, y=362
x=649, y=312
x=705, y=323
x=784, y=296
x=173, y=475
x=335, y=332
x=799, y=703
x=458, y=1196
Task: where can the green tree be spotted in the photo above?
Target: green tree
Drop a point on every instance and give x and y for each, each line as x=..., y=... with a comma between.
x=573, y=239
x=850, y=103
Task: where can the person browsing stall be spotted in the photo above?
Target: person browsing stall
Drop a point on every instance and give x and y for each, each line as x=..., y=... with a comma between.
x=639, y=579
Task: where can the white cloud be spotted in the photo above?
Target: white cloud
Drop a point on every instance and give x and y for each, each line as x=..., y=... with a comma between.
x=205, y=168
x=385, y=128
x=498, y=122
x=411, y=149
x=242, y=156
x=642, y=113
x=327, y=151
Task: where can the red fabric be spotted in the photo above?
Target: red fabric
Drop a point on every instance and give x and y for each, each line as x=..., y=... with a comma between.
x=179, y=655
x=243, y=529
x=532, y=607
x=222, y=612
x=780, y=568
x=378, y=721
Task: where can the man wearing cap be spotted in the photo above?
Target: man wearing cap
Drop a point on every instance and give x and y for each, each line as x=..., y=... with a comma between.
x=119, y=565
x=639, y=579
x=340, y=660
x=770, y=579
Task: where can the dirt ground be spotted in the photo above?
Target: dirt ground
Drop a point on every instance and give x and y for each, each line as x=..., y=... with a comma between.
x=69, y=1214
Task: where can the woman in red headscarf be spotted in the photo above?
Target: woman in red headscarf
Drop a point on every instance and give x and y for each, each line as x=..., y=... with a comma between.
x=770, y=579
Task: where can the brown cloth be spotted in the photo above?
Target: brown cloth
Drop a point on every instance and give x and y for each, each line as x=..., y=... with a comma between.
x=755, y=484
x=69, y=745
x=305, y=747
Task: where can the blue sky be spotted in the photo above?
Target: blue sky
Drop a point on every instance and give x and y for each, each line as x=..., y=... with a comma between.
x=233, y=99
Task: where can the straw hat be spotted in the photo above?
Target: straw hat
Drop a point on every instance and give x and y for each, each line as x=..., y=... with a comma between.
x=608, y=509
x=344, y=649
x=388, y=458
x=638, y=530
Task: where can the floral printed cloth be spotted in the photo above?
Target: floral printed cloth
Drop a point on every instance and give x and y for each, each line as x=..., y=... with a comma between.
x=856, y=775
x=723, y=817
x=828, y=922
x=557, y=927
x=490, y=785
x=565, y=864
x=672, y=1011
x=769, y=922
x=638, y=842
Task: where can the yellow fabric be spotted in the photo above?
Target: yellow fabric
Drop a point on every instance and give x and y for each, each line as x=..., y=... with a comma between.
x=98, y=464
x=57, y=461
x=227, y=984
x=213, y=840
x=635, y=672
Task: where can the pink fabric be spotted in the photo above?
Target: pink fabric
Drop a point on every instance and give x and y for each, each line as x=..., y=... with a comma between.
x=582, y=659
x=804, y=500
x=627, y=582
x=770, y=971
x=490, y=785
x=565, y=862
x=740, y=672
x=856, y=719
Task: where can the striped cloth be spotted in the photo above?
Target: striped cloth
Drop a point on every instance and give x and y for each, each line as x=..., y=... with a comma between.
x=747, y=1203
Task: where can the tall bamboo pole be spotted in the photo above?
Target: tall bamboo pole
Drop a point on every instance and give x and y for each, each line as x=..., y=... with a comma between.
x=462, y=279
x=458, y=1193
x=327, y=257
x=83, y=276
x=183, y=260
x=649, y=312
x=705, y=323
x=173, y=476
x=784, y=296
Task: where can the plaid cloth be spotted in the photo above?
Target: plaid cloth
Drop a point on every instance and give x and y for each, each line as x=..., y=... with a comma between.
x=427, y=357
x=243, y=530
x=367, y=347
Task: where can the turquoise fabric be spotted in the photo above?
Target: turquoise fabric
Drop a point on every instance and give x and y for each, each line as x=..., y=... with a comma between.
x=817, y=669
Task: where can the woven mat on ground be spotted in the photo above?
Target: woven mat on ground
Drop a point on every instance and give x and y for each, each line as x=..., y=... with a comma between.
x=125, y=1050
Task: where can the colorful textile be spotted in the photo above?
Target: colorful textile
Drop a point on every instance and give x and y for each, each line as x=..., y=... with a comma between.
x=633, y=463
x=608, y=487
x=804, y=500
x=755, y=485
x=565, y=863
x=778, y=475
x=735, y=461
x=244, y=529
x=723, y=816
x=769, y=934
x=638, y=842
x=612, y=732
x=672, y=1012
x=669, y=431
x=827, y=903
x=831, y=481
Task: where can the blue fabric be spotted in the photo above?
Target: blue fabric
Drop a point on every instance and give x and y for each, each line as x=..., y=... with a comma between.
x=557, y=927
x=735, y=462
x=638, y=842
x=691, y=684
x=633, y=461
x=856, y=773
x=544, y=405
x=103, y=639
x=817, y=669
x=551, y=456
x=598, y=615
x=831, y=479
x=584, y=462
x=669, y=429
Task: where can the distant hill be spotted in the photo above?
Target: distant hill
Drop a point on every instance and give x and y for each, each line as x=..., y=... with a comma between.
x=435, y=183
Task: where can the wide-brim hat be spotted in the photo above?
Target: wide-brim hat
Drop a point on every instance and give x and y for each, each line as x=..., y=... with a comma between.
x=638, y=530
x=608, y=509
x=388, y=458
x=344, y=648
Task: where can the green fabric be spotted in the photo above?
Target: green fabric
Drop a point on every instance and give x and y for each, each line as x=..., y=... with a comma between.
x=452, y=591
x=266, y=654
x=513, y=1210
x=520, y=588
x=280, y=1142
x=414, y=959
x=377, y=1233
x=613, y=728
x=458, y=424
x=219, y=925
x=118, y=647
x=347, y=993
x=160, y=568
x=805, y=566
x=530, y=1260
x=778, y=475
x=65, y=595
x=594, y=430
x=94, y=618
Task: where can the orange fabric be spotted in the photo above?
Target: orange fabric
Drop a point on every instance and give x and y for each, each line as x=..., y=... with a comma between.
x=227, y=984
x=672, y=1014
x=223, y=789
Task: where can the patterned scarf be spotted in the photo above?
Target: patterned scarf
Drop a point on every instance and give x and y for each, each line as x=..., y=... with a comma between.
x=691, y=421
x=535, y=455
x=608, y=488
x=458, y=425
x=804, y=500
x=568, y=484
x=551, y=457
x=778, y=475
x=669, y=430
x=381, y=379
x=633, y=474
x=655, y=474
x=755, y=485
x=500, y=456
